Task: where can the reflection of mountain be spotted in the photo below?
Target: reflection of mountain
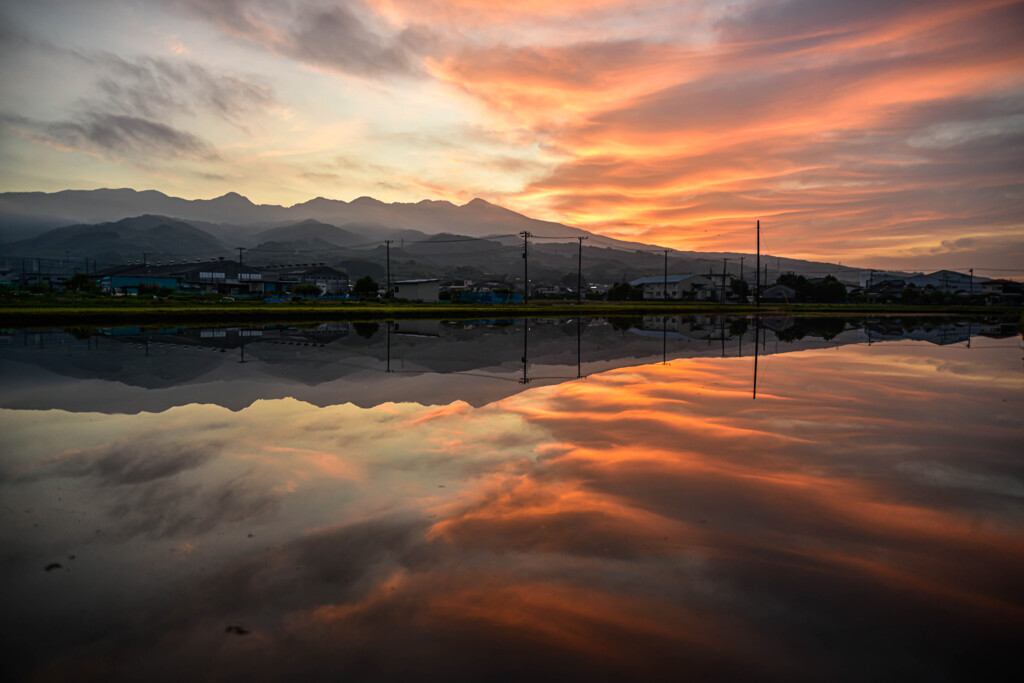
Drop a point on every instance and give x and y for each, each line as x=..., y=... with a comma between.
x=428, y=362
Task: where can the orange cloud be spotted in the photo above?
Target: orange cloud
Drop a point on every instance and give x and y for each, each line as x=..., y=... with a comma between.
x=818, y=124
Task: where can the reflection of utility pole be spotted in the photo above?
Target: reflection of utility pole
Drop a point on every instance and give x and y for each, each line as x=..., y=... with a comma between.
x=526, y=266
x=757, y=336
x=579, y=354
x=387, y=248
x=664, y=340
x=388, y=367
x=526, y=330
x=241, y=349
x=579, y=270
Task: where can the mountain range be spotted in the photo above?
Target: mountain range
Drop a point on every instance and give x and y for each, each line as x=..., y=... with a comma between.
x=427, y=238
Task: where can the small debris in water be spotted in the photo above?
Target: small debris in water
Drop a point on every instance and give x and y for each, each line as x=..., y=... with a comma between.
x=238, y=630
x=54, y=565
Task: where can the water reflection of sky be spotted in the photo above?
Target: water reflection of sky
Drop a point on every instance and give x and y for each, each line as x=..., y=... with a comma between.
x=862, y=518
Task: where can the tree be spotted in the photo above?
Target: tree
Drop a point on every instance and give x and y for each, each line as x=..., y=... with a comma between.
x=622, y=291
x=306, y=288
x=366, y=288
x=81, y=282
x=828, y=291
x=739, y=289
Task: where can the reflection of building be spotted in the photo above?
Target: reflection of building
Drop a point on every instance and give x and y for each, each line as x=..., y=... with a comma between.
x=420, y=328
x=937, y=333
x=425, y=290
x=679, y=287
x=680, y=326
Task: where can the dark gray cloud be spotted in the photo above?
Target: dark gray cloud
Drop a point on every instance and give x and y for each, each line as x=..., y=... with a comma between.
x=340, y=35
x=126, y=136
x=153, y=87
x=135, y=109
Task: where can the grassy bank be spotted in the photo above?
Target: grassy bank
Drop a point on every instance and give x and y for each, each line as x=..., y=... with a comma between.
x=62, y=311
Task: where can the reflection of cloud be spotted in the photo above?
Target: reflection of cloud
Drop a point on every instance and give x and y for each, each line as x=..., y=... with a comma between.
x=861, y=516
x=140, y=460
x=143, y=486
x=136, y=462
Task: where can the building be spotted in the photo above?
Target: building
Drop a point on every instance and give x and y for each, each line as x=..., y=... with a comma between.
x=779, y=293
x=219, y=276
x=330, y=280
x=425, y=290
x=1002, y=291
x=690, y=286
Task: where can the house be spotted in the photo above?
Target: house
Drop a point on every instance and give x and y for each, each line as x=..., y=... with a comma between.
x=1002, y=291
x=778, y=293
x=892, y=289
x=425, y=290
x=679, y=287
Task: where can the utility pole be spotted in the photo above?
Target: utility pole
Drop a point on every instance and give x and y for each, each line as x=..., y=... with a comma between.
x=741, y=266
x=724, y=261
x=387, y=248
x=664, y=283
x=579, y=270
x=757, y=270
x=240, y=250
x=972, y=294
x=526, y=278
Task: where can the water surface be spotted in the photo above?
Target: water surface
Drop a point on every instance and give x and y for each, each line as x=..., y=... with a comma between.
x=386, y=504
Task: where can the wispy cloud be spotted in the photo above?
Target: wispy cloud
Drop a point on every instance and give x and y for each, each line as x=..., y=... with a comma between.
x=345, y=36
x=153, y=87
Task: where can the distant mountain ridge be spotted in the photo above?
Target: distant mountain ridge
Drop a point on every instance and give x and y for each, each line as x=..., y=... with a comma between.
x=112, y=241
x=121, y=225
x=25, y=214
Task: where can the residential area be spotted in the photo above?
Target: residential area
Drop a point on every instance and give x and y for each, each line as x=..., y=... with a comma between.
x=237, y=279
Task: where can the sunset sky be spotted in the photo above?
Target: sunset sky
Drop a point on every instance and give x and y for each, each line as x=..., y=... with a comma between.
x=887, y=133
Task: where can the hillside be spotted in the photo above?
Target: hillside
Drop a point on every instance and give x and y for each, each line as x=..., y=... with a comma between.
x=476, y=240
